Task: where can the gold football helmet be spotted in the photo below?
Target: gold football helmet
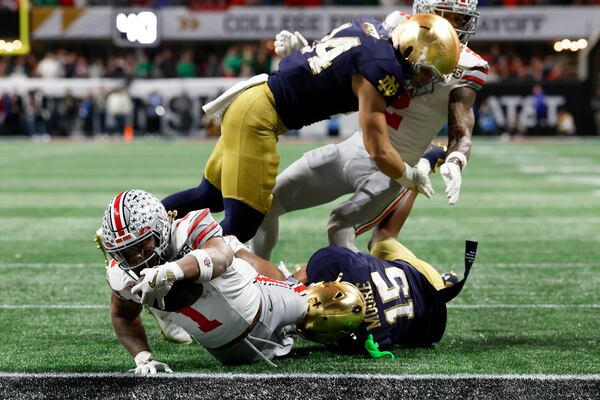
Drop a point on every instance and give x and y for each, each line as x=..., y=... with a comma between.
x=335, y=310
x=428, y=41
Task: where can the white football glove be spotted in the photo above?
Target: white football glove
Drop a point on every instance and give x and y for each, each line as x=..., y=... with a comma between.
x=287, y=42
x=414, y=178
x=393, y=19
x=145, y=364
x=451, y=174
x=157, y=282
x=424, y=166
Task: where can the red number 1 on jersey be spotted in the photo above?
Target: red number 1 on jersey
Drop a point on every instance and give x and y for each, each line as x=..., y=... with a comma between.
x=204, y=323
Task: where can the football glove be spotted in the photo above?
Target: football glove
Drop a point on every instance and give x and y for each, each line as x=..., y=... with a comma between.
x=287, y=42
x=145, y=364
x=393, y=19
x=416, y=179
x=424, y=166
x=451, y=174
x=156, y=283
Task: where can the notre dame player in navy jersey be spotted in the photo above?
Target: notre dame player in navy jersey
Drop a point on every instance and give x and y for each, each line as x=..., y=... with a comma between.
x=354, y=68
x=317, y=82
x=405, y=297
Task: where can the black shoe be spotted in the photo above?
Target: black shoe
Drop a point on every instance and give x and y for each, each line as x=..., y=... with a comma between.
x=449, y=278
x=436, y=156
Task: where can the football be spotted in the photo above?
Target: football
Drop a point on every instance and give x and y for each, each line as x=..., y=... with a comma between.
x=182, y=294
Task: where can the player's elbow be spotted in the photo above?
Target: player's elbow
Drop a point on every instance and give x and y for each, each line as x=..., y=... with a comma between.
x=221, y=261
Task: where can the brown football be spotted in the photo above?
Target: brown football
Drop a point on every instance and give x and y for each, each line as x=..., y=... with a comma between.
x=182, y=294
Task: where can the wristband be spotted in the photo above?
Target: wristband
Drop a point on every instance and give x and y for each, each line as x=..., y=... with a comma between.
x=175, y=269
x=142, y=357
x=458, y=156
x=205, y=265
x=406, y=179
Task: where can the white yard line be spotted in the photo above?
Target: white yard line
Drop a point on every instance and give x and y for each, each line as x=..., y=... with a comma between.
x=270, y=376
x=456, y=306
x=51, y=265
x=513, y=306
x=542, y=265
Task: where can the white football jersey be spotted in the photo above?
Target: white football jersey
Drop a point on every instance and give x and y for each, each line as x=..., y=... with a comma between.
x=413, y=121
x=228, y=303
x=226, y=308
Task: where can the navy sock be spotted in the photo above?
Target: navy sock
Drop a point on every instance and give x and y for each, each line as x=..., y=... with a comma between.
x=433, y=154
x=240, y=220
x=204, y=196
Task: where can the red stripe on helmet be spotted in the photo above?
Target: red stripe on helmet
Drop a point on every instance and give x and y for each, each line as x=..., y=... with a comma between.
x=118, y=219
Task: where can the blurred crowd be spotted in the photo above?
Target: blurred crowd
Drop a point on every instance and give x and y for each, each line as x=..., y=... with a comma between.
x=527, y=63
x=232, y=61
x=41, y=116
x=222, y=4
x=242, y=60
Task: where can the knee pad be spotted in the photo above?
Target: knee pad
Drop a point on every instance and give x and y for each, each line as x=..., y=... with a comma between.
x=240, y=220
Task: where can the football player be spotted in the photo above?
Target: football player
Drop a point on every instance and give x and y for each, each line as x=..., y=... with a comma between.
x=359, y=66
x=186, y=267
x=405, y=296
x=413, y=120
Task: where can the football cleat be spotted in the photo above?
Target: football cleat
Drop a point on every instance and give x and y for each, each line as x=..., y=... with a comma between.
x=335, y=311
x=100, y=246
x=449, y=278
x=436, y=155
x=170, y=330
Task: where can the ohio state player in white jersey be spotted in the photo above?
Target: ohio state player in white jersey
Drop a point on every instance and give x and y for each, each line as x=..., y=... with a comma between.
x=324, y=174
x=238, y=315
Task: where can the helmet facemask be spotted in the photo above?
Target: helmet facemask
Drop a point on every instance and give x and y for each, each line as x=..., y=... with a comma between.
x=462, y=14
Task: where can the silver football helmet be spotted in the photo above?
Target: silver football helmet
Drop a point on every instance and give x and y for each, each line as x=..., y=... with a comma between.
x=462, y=14
x=130, y=218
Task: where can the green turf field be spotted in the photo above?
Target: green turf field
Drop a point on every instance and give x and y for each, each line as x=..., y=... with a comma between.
x=531, y=306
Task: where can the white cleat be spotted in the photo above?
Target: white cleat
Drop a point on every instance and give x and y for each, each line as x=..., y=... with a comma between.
x=169, y=329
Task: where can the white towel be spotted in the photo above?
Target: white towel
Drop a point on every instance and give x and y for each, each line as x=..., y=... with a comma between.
x=217, y=107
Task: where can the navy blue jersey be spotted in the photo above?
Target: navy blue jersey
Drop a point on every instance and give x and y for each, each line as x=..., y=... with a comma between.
x=402, y=306
x=311, y=86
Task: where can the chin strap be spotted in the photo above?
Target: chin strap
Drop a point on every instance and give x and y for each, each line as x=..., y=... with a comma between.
x=372, y=348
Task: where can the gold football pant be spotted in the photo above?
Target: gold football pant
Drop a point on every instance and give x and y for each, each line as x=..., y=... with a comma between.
x=391, y=249
x=244, y=163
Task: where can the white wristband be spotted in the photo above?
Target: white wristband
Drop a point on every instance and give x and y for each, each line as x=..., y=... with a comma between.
x=406, y=179
x=205, y=265
x=460, y=157
x=142, y=357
